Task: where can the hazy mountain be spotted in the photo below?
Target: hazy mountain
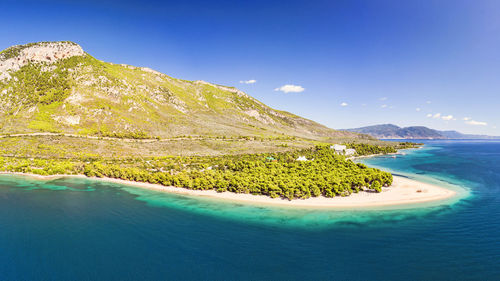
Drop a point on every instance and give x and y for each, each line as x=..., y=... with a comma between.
x=458, y=135
x=390, y=131
x=57, y=87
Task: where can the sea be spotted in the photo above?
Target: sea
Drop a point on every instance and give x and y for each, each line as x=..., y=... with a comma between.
x=85, y=229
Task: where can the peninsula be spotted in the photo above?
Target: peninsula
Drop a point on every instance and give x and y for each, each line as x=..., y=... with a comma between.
x=64, y=112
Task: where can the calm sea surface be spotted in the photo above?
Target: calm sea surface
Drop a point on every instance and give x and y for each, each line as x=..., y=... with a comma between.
x=82, y=229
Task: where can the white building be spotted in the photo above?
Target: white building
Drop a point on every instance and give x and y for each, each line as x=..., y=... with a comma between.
x=349, y=151
x=338, y=148
x=302, y=158
x=342, y=149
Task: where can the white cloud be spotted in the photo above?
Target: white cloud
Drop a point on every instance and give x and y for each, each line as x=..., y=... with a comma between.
x=251, y=81
x=469, y=121
x=290, y=89
x=364, y=104
x=384, y=98
x=418, y=109
x=428, y=102
x=476, y=123
x=443, y=117
x=384, y=106
x=344, y=104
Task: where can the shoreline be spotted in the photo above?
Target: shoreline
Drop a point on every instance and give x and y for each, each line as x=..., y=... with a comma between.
x=371, y=155
x=403, y=191
x=399, y=152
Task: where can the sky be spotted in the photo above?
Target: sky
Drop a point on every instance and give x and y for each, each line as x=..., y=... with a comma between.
x=344, y=64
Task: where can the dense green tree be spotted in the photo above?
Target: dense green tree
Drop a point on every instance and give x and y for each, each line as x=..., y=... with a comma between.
x=325, y=174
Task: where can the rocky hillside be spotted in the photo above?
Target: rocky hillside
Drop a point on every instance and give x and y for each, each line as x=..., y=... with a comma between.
x=57, y=87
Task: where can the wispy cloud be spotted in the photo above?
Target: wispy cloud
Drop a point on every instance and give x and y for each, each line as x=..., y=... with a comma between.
x=476, y=123
x=344, y=104
x=251, y=81
x=384, y=106
x=383, y=98
x=443, y=117
x=469, y=121
x=418, y=109
x=428, y=102
x=290, y=89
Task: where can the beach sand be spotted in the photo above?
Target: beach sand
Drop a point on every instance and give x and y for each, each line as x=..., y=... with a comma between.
x=403, y=191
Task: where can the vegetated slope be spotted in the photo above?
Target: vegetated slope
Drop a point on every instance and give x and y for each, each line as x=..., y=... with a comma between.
x=57, y=87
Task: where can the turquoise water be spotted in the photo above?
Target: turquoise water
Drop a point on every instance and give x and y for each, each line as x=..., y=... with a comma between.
x=82, y=229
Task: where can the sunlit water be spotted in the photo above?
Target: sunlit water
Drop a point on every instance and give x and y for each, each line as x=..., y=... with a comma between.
x=82, y=229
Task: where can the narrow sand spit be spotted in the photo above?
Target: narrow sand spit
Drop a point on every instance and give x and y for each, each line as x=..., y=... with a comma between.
x=403, y=191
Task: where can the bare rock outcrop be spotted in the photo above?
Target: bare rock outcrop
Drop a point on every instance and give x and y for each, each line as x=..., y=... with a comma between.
x=15, y=57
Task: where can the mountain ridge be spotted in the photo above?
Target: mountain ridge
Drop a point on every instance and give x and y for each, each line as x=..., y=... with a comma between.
x=391, y=131
x=58, y=87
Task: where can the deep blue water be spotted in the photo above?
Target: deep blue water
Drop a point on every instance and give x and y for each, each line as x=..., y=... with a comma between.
x=82, y=229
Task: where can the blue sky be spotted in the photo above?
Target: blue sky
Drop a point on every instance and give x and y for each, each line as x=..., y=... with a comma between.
x=342, y=63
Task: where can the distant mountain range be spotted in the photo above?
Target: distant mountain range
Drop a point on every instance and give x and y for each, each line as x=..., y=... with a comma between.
x=390, y=131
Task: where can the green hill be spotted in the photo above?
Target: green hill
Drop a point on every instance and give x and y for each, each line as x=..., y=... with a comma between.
x=64, y=112
x=57, y=87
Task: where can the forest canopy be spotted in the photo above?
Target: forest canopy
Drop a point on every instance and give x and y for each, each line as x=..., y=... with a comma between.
x=301, y=174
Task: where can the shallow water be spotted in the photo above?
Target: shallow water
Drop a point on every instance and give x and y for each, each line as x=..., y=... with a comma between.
x=83, y=229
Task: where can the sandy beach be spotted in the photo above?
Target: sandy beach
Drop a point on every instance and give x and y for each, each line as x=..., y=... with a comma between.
x=403, y=191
